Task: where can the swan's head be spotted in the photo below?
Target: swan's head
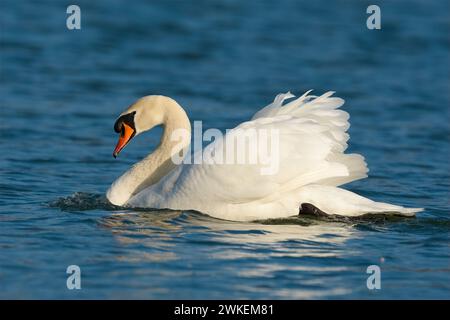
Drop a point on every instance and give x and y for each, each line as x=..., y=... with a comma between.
x=141, y=116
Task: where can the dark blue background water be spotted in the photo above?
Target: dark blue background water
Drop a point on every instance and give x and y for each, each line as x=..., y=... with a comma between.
x=61, y=91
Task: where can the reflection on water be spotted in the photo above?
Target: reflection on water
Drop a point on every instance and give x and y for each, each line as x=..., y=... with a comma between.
x=160, y=234
x=144, y=229
x=154, y=225
x=178, y=254
x=295, y=258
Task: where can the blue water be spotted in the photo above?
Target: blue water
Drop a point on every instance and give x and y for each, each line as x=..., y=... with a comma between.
x=61, y=91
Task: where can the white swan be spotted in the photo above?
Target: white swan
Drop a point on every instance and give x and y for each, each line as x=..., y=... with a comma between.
x=311, y=164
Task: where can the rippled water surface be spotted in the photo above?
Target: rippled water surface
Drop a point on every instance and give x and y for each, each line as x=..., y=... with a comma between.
x=61, y=91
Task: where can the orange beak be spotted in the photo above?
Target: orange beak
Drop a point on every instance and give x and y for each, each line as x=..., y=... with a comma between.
x=125, y=136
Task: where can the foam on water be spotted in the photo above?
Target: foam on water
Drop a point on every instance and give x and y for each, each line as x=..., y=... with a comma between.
x=81, y=201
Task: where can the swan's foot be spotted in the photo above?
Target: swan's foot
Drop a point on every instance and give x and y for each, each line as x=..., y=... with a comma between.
x=310, y=209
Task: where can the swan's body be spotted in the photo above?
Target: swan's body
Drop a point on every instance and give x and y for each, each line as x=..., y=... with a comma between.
x=312, y=164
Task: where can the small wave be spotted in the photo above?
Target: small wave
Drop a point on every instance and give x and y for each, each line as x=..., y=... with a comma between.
x=307, y=220
x=83, y=201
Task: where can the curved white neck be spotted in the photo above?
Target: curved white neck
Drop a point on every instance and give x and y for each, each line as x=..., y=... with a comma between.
x=156, y=165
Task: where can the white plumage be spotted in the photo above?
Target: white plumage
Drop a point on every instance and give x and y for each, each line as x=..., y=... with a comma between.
x=312, y=139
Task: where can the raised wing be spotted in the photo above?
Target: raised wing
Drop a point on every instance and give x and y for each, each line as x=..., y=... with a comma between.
x=311, y=139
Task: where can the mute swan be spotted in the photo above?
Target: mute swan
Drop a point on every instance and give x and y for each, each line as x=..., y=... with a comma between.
x=312, y=164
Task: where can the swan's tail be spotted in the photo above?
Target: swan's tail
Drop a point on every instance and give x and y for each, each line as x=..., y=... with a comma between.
x=332, y=200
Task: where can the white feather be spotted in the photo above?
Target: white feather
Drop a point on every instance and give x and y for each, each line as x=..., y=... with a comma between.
x=312, y=164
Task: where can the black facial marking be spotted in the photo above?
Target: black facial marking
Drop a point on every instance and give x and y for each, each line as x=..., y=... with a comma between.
x=127, y=119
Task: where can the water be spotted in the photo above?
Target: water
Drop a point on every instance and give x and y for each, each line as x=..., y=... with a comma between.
x=62, y=90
